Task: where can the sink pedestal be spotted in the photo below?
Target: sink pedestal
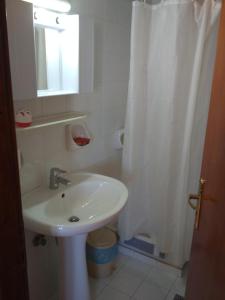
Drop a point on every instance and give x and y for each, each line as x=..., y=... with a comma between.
x=74, y=284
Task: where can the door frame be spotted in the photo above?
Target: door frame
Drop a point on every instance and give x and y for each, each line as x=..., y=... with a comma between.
x=13, y=266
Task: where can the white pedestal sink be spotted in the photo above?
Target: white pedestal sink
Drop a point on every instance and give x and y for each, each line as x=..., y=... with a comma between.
x=70, y=213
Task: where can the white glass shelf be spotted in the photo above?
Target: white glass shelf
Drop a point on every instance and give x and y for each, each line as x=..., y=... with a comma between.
x=46, y=93
x=63, y=118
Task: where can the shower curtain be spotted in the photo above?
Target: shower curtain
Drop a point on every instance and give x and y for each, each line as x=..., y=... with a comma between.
x=172, y=56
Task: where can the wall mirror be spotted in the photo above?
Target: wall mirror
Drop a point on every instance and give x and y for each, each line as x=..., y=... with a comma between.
x=56, y=39
x=50, y=53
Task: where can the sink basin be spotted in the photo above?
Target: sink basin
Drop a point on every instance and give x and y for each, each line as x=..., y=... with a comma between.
x=90, y=202
x=93, y=199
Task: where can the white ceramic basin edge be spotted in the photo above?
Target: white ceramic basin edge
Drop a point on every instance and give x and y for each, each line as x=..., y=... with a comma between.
x=95, y=199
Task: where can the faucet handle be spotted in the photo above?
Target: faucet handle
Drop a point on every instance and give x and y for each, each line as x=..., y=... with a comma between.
x=55, y=178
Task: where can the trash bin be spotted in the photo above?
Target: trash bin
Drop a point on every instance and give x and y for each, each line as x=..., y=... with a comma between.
x=102, y=251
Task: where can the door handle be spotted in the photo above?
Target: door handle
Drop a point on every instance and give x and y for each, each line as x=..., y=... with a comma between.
x=198, y=197
x=193, y=197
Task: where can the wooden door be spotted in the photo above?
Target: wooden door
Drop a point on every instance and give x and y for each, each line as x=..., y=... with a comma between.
x=13, y=275
x=206, y=280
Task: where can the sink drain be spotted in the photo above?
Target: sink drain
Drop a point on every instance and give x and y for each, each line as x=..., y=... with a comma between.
x=73, y=219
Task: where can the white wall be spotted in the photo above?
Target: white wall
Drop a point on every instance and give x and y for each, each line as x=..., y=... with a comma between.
x=43, y=148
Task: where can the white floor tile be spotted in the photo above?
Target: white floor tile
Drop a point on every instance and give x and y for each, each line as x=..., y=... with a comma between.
x=111, y=294
x=137, y=268
x=96, y=286
x=136, y=280
x=167, y=268
x=126, y=282
x=180, y=286
x=121, y=260
x=149, y=291
x=162, y=278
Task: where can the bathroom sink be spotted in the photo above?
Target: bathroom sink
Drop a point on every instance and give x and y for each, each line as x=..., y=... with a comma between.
x=69, y=213
x=90, y=202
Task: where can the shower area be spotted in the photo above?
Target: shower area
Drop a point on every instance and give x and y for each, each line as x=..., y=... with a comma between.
x=173, y=47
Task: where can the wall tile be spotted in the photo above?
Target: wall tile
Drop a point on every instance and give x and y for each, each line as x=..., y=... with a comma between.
x=118, y=12
x=115, y=53
x=95, y=8
x=53, y=105
x=40, y=269
x=35, y=106
x=98, y=52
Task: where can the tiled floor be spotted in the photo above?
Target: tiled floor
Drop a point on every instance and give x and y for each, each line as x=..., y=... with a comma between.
x=136, y=280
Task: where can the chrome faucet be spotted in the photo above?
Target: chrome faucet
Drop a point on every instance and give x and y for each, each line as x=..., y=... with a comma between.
x=56, y=179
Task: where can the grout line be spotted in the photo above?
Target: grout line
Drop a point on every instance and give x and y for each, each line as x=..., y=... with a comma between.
x=143, y=280
x=171, y=288
x=98, y=295
x=137, y=288
x=168, y=292
x=113, y=288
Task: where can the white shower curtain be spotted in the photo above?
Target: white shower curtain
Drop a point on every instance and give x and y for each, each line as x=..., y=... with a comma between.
x=172, y=54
